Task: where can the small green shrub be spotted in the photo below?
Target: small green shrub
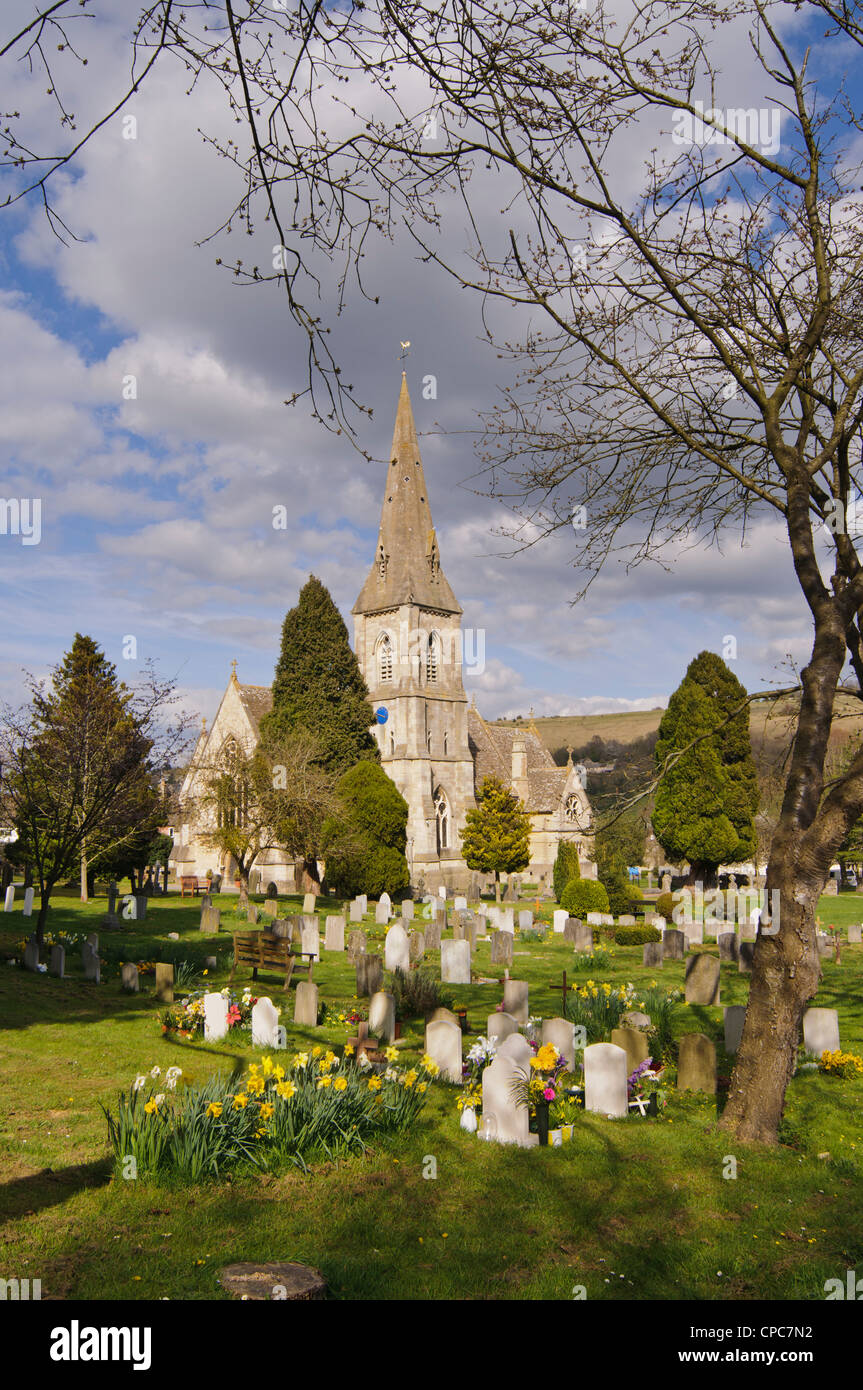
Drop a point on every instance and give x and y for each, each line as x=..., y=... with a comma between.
x=417, y=994
x=665, y=906
x=636, y=936
x=583, y=895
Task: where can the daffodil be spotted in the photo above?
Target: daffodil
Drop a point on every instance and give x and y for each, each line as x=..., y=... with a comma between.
x=214, y=1109
x=340, y=1084
x=391, y=1054
x=240, y=1101
x=324, y=1081
x=151, y=1107
x=266, y=1111
x=286, y=1089
x=374, y=1083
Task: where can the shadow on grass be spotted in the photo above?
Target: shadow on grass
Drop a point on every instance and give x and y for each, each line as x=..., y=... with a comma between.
x=51, y=1187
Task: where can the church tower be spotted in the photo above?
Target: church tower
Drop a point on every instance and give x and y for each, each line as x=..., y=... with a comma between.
x=407, y=638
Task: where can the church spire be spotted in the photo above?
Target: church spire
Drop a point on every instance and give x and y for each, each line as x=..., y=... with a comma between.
x=407, y=566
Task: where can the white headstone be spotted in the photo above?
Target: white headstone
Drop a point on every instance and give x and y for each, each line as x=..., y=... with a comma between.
x=503, y=1120
x=855, y=934
x=443, y=1043
x=594, y=919
x=605, y=1079
x=500, y=1025
x=517, y=1049
x=561, y=917
x=309, y=903
x=215, y=1017
x=821, y=1031
x=265, y=1023
x=561, y=1034
x=507, y=919
x=515, y=999
x=386, y=901
x=396, y=950
x=525, y=919
x=28, y=902
x=10, y=898
x=455, y=962
x=694, y=932
x=356, y=910
x=460, y=904
x=441, y=892
x=382, y=1016
x=407, y=910
x=334, y=934
x=310, y=937
x=382, y=915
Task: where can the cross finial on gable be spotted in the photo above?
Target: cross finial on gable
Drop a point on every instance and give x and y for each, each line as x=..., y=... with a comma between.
x=234, y=669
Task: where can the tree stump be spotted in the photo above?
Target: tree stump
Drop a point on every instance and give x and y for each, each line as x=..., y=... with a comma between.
x=280, y=1282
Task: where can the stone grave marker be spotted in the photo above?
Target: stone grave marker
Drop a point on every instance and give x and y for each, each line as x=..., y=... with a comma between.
x=396, y=952
x=515, y=999
x=416, y=947
x=634, y=1044
x=702, y=979
x=28, y=902
x=334, y=934
x=57, y=962
x=651, y=955
x=382, y=915
x=734, y=1016
x=309, y=902
x=635, y=1019
x=626, y=920
x=165, y=982
x=455, y=962
x=211, y=962
x=694, y=933
x=306, y=1004
x=561, y=1034
x=443, y=1043
x=31, y=956
x=211, y=918
x=517, y=1049
x=525, y=919
x=727, y=941
x=270, y=907
x=745, y=957
x=252, y=914
x=855, y=934
x=500, y=1025
x=9, y=903
x=460, y=904
x=504, y=1121
x=560, y=919
x=570, y=927
x=370, y=974
x=408, y=910
x=507, y=920
x=501, y=948
x=821, y=1031
x=583, y=937
x=673, y=944
x=265, y=1023
x=696, y=1067
x=433, y=934
x=215, y=1017
x=594, y=919
x=356, y=946
x=605, y=1078
x=129, y=981
x=310, y=937
x=825, y=944
x=356, y=912
x=382, y=1015
x=92, y=965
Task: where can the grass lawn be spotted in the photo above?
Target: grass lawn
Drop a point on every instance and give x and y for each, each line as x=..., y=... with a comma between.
x=633, y=1209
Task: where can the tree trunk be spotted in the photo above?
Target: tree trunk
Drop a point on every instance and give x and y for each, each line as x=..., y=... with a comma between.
x=496, y=886
x=44, y=904
x=84, y=895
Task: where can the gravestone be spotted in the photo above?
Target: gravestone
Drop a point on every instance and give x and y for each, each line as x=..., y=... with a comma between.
x=626, y=920
x=28, y=901
x=252, y=914
x=666, y=883
x=460, y=904
x=727, y=945
x=215, y=1017
x=507, y=920
x=517, y=1049
x=560, y=919
x=605, y=1077
x=310, y=937
x=283, y=928
x=561, y=1034
x=443, y=1043
x=635, y=1019
x=407, y=910
x=433, y=934
x=309, y=902
x=396, y=952
x=31, y=957
x=334, y=934
x=442, y=1013
x=10, y=898
x=265, y=1023
x=674, y=944
x=702, y=979
x=386, y=901
x=210, y=962
x=270, y=907
x=382, y=1015
x=696, y=1066
x=416, y=946
x=356, y=945
x=525, y=920
x=91, y=964
x=748, y=931
x=651, y=955
x=140, y=901
x=821, y=1031
x=694, y=933
x=583, y=937
x=831, y=888
x=855, y=934
x=500, y=1025
x=653, y=920
x=594, y=919
x=634, y=1044
x=455, y=962
x=306, y=1004
x=570, y=928
x=370, y=974
x=356, y=911
x=129, y=980
x=382, y=915
x=503, y=1120
x=57, y=962
x=825, y=944
x=165, y=982
x=206, y=901
x=363, y=900
x=211, y=918
x=242, y=900
x=734, y=1017
x=515, y=999
x=745, y=957
x=112, y=899
x=501, y=948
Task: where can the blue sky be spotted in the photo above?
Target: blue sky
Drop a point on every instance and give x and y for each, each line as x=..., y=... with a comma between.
x=156, y=512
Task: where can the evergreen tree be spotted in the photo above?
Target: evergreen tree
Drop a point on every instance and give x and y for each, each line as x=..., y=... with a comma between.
x=707, y=800
x=496, y=837
x=365, y=842
x=318, y=684
x=566, y=867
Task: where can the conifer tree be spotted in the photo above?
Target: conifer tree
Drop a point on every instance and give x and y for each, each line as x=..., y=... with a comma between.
x=318, y=684
x=706, y=801
x=496, y=836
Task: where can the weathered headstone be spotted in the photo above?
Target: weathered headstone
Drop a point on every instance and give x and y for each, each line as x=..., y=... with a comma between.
x=57, y=962
x=500, y=1025
x=211, y=918
x=855, y=934
x=674, y=944
x=356, y=945
x=583, y=937
x=165, y=982
x=594, y=919
x=825, y=944
x=626, y=920
x=31, y=956
x=634, y=1044
x=407, y=910
x=821, y=1031
x=215, y=1017
x=651, y=955
x=694, y=933
x=460, y=904
x=443, y=1043
x=356, y=910
x=382, y=1015
x=501, y=948
x=370, y=974
x=745, y=957
x=525, y=920
x=140, y=907
x=28, y=901
x=9, y=901
x=831, y=888
x=310, y=936
x=334, y=934
x=265, y=1024
x=515, y=999
x=507, y=920
x=433, y=934
x=570, y=927
x=702, y=979
x=270, y=907
x=92, y=966
x=605, y=1077
x=734, y=1017
x=518, y=1049
x=129, y=979
x=309, y=902
x=727, y=941
x=396, y=951
x=665, y=884
x=696, y=1066
x=416, y=946
x=455, y=962
x=635, y=1019
x=560, y=919
x=211, y=962
x=561, y=1034
x=306, y=1004
x=382, y=915
x=503, y=1120
x=252, y=914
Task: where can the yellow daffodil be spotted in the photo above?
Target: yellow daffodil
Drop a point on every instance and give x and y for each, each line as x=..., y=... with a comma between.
x=316, y=1051
x=150, y=1108
x=340, y=1084
x=324, y=1081
x=422, y=1087
x=253, y=1068
x=214, y=1109
x=410, y=1077
x=267, y=1066
x=374, y=1083
x=349, y=1051
x=278, y=1072
x=286, y=1089
x=240, y=1101
x=391, y=1054
x=267, y=1111
x=255, y=1085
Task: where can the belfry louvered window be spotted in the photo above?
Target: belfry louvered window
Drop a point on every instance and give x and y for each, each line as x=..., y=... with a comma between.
x=385, y=658
x=432, y=657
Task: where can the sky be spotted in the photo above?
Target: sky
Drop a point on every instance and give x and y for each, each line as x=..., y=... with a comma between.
x=156, y=512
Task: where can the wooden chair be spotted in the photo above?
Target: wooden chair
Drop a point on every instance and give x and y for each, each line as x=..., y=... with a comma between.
x=261, y=950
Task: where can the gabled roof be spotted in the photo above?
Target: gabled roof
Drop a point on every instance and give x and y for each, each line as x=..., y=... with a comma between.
x=406, y=568
x=491, y=746
x=257, y=701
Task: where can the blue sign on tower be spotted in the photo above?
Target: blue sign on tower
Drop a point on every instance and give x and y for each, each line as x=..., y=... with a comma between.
x=382, y=714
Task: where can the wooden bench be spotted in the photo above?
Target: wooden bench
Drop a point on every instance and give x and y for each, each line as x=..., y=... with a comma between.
x=189, y=881
x=261, y=950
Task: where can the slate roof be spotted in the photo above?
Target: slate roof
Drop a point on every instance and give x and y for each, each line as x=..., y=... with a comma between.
x=257, y=701
x=491, y=747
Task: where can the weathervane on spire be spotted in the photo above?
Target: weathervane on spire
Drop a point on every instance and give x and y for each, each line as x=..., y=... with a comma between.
x=234, y=669
x=405, y=351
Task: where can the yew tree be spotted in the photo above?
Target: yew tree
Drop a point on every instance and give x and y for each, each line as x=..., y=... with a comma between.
x=496, y=835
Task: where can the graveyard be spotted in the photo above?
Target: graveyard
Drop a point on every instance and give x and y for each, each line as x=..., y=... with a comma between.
x=642, y=1206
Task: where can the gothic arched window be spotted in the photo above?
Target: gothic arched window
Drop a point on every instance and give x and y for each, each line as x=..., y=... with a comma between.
x=432, y=656
x=385, y=658
x=445, y=744
x=441, y=811
x=572, y=809
x=232, y=790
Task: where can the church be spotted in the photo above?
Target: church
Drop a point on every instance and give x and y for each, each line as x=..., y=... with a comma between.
x=408, y=639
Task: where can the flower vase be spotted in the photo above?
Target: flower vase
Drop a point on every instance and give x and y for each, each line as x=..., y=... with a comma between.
x=653, y=1104
x=542, y=1123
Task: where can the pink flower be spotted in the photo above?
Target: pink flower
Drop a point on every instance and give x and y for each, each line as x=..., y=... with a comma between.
x=548, y=1093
